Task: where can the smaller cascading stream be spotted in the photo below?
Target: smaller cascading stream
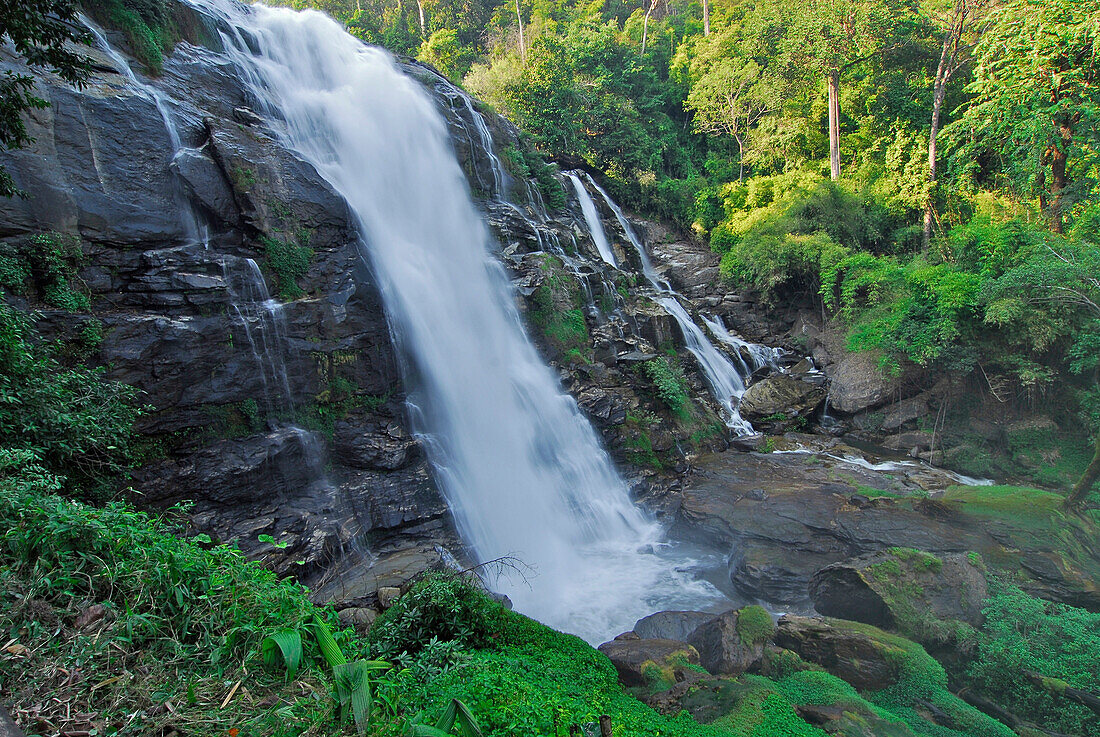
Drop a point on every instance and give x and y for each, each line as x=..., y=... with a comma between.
x=759, y=355
x=725, y=379
x=195, y=229
x=260, y=316
x=595, y=227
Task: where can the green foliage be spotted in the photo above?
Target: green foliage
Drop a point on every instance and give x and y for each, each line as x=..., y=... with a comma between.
x=147, y=24
x=669, y=382
x=1023, y=633
x=289, y=260
x=73, y=422
x=441, y=606
x=445, y=52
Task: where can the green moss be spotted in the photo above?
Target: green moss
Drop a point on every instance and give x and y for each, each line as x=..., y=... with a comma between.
x=148, y=25
x=754, y=625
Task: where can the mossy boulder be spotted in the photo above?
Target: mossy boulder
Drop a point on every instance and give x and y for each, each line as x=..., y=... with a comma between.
x=919, y=594
x=854, y=654
x=655, y=663
x=733, y=642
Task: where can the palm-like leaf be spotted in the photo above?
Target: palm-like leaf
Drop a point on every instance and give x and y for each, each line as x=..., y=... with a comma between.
x=286, y=643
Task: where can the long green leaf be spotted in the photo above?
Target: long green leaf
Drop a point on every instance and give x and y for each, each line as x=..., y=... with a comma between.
x=467, y=725
x=286, y=643
x=353, y=689
x=426, y=730
x=447, y=719
x=332, y=653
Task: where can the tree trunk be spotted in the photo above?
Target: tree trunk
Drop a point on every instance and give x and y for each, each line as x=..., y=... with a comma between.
x=834, y=124
x=1084, y=484
x=706, y=18
x=740, y=159
x=943, y=73
x=645, y=23
x=1058, y=157
x=522, y=43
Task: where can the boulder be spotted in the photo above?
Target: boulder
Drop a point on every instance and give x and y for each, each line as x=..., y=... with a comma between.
x=780, y=395
x=858, y=383
x=903, y=589
x=862, y=655
x=672, y=625
x=644, y=662
x=732, y=642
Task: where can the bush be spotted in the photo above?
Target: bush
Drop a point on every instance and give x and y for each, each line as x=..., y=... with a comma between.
x=441, y=606
x=1058, y=641
x=73, y=422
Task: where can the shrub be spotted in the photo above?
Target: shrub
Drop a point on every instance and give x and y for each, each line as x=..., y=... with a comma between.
x=441, y=606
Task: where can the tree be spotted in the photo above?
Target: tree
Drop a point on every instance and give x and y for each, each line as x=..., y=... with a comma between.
x=832, y=36
x=730, y=97
x=957, y=26
x=1062, y=277
x=39, y=30
x=1037, y=96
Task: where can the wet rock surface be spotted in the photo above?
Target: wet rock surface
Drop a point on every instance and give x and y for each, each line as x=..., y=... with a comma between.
x=640, y=661
x=784, y=516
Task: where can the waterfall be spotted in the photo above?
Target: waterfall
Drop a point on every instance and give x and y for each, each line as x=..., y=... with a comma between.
x=592, y=218
x=726, y=381
x=522, y=470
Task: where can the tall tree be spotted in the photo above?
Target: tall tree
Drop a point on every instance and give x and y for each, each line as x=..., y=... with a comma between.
x=40, y=31
x=830, y=37
x=957, y=25
x=1037, y=87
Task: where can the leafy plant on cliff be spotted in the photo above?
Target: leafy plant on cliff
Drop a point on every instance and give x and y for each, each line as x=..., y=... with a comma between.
x=289, y=260
x=75, y=424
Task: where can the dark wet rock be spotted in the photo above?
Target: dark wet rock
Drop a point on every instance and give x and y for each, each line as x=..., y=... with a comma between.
x=859, y=654
x=641, y=662
x=375, y=448
x=726, y=647
x=671, y=625
x=903, y=589
x=808, y=519
x=858, y=383
x=780, y=395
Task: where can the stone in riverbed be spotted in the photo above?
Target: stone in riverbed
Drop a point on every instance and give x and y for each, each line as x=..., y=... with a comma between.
x=643, y=662
x=780, y=395
x=672, y=625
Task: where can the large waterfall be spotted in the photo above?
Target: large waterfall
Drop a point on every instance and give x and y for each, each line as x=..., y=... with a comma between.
x=521, y=468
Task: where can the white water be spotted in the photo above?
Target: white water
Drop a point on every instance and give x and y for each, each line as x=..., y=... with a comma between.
x=726, y=380
x=759, y=355
x=521, y=469
x=726, y=383
x=592, y=218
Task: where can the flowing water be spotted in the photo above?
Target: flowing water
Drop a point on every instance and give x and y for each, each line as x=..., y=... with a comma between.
x=592, y=218
x=522, y=470
x=725, y=376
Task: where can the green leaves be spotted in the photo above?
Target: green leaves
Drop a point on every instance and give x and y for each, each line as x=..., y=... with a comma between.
x=455, y=713
x=285, y=644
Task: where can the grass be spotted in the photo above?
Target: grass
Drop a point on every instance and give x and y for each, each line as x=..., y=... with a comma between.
x=178, y=626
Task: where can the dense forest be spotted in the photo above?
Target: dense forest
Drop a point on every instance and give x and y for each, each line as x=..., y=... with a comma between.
x=923, y=178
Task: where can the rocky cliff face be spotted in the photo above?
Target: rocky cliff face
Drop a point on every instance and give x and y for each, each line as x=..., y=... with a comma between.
x=224, y=275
